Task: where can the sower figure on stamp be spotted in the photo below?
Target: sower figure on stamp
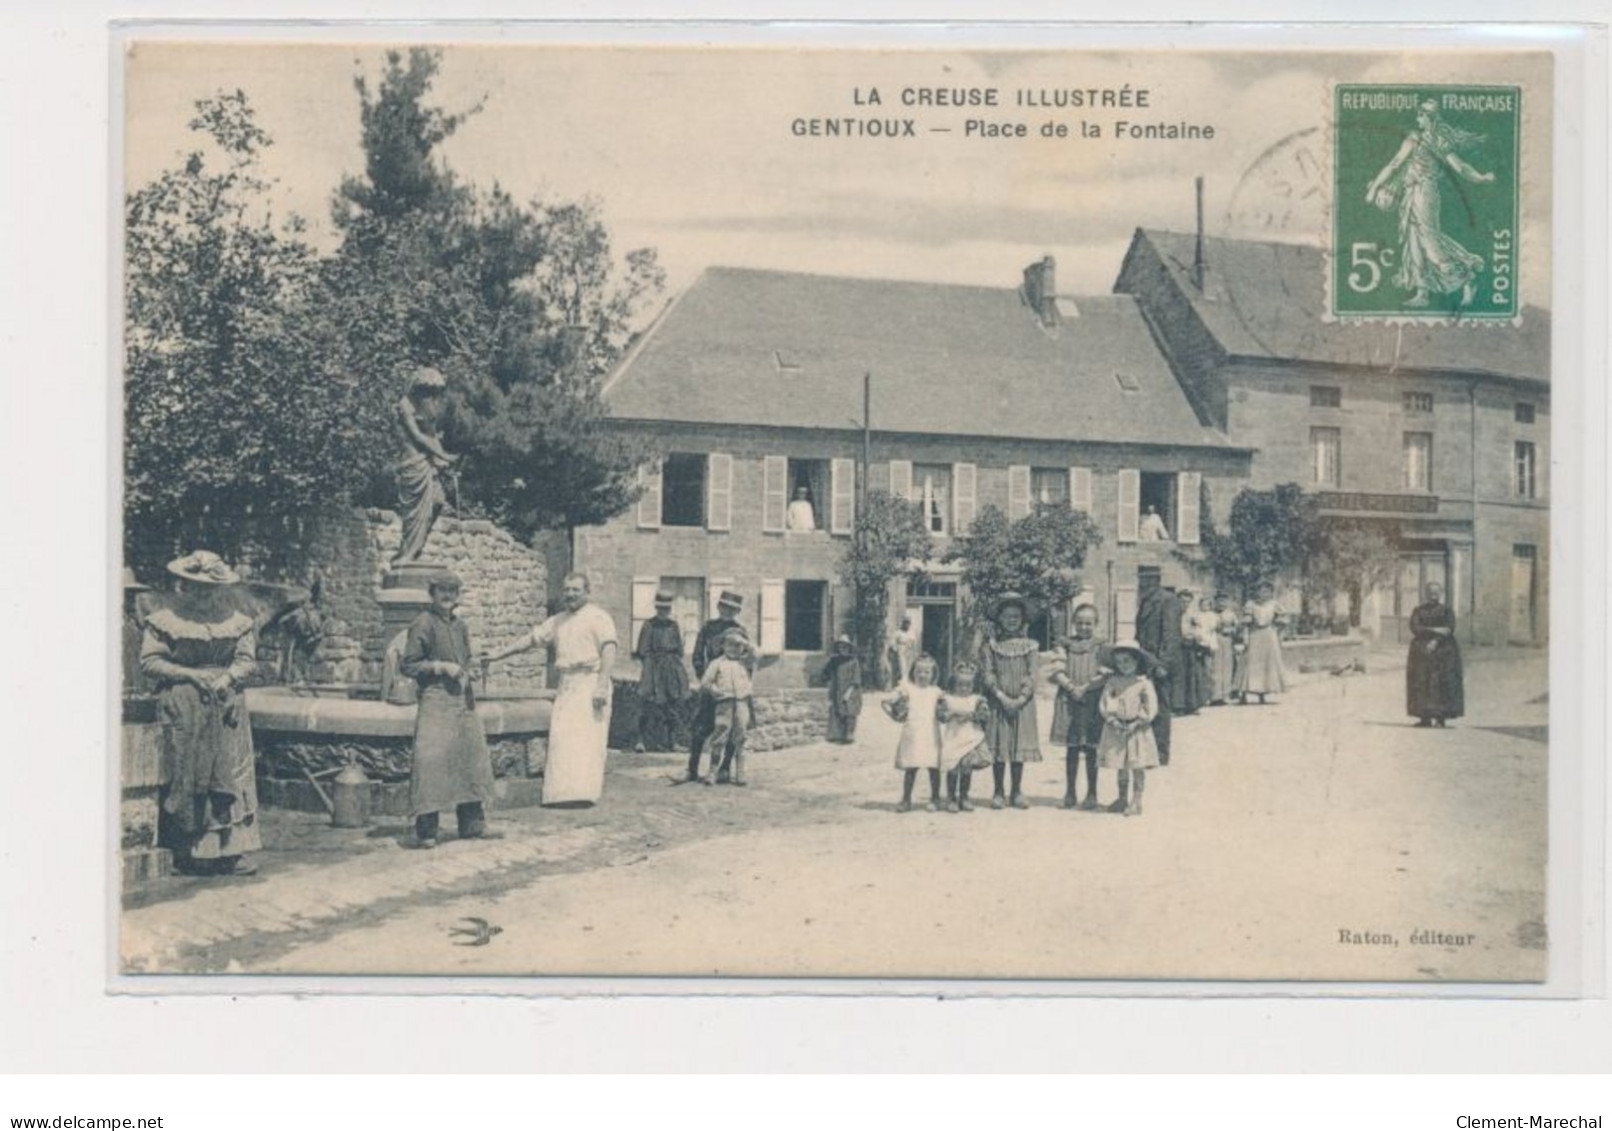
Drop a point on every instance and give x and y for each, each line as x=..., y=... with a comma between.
x=707, y=647
x=1158, y=631
x=663, y=680
x=1429, y=259
x=451, y=765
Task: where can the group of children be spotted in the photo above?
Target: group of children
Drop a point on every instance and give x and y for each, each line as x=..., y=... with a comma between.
x=1104, y=713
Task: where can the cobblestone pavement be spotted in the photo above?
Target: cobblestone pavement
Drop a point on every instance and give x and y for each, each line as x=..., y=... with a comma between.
x=1278, y=836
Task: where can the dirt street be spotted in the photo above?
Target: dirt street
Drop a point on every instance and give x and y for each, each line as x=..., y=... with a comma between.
x=1321, y=837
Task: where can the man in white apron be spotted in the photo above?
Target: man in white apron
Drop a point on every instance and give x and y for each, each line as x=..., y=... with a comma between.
x=581, y=640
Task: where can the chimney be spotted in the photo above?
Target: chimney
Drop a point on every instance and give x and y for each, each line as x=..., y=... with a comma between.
x=1197, y=252
x=1041, y=289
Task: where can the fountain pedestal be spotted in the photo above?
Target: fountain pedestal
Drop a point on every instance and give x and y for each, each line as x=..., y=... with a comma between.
x=402, y=597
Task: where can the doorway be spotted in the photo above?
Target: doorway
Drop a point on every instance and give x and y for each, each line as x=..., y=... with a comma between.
x=1524, y=595
x=1417, y=570
x=933, y=608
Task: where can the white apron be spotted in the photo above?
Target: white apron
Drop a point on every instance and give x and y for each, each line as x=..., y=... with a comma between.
x=577, y=742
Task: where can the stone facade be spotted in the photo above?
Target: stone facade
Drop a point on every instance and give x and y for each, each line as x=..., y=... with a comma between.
x=750, y=560
x=505, y=590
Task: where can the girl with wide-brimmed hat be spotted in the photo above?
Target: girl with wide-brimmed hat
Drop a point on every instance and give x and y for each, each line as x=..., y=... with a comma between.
x=197, y=652
x=1008, y=667
x=1129, y=705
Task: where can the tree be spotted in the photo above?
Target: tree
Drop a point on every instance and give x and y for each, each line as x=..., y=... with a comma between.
x=1039, y=555
x=1269, y=533
x=236, y=417
x=1350, y=556
x=523, y=307
x=891, y=541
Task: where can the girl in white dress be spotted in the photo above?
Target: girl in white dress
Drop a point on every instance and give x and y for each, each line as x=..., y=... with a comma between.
x=917, y=708
x=963, y=749
x=1128, y=706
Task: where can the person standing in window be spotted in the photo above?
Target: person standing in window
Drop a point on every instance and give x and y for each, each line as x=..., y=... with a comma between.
x=1152, y=528
x=802, y=516
x=1434, y=685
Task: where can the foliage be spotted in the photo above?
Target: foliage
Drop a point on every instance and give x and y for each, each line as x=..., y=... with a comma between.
x=891, y=541
x=523, y=307
x=1350, y=556
x=235, y=414
x=1268, y=533
x=1039, y=555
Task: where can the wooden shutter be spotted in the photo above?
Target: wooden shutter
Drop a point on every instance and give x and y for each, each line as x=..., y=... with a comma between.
x=964, y=496
x=901, y=478
x=643, y=607
x=1130, y=503
x=772, y=618
x=1124, y=612
x=1018, y=491
x=842, y=496
x=713, y=590
x=1080, y=488
x=649, y=477
x=774, y=493
x=1188, y=498
x=719, y=491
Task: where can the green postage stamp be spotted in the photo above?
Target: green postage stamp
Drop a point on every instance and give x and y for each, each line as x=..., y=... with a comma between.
x=1425, y=193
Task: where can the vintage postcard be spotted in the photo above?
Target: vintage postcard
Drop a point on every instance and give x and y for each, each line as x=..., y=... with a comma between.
x=825, y=512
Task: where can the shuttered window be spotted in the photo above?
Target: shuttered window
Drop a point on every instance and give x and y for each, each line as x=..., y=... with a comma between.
x=964, y=496
x=842, y=488
x=719, y=498
x=772, y=618
x=1130, y=502
x=1018, y=491
x=1189, y=497
x=1080, y=488
x=774, y=493
x=649, y=478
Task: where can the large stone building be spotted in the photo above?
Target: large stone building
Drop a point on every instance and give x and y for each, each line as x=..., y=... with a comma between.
x=1210, y=369
x=1439, y=432
x=750, y=386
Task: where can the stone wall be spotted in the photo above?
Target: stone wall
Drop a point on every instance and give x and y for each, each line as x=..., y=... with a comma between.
x=785, y=717
x=505, y=591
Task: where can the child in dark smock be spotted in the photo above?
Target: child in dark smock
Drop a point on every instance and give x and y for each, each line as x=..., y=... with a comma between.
x=451, y=763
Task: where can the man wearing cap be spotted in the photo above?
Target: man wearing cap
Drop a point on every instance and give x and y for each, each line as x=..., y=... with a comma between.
x=707, y=648
x=452, y=765
x=662, y=680
x=581, y=640
x=1158, y=631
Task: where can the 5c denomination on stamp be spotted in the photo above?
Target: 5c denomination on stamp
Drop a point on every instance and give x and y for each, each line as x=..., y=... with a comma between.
x=1425, y=197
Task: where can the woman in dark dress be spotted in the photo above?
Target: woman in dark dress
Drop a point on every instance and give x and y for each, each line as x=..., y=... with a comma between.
x=663, y=680
x=1433, y=681
x=844, y=676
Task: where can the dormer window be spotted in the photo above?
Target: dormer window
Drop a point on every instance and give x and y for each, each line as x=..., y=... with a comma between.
x=786, y=361
x=1128, y=382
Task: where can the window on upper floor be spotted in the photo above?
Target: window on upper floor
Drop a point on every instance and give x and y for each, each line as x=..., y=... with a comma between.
x=1419, y=461
x=683, y=489
x=1418, y=402
x=1326, y=456
x=1049, y=485
x=1326, y=396
x=808, y=495
x=1524, y=413
x=1522, y=470
x=932, y=490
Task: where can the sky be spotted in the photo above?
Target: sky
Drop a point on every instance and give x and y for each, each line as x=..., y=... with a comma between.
x=691, y=151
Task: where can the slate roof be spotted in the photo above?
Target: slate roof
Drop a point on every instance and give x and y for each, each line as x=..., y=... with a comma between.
x=1264, y=300
x=745, y=346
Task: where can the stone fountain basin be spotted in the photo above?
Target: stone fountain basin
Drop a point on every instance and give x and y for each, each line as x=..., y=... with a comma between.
x=327, y=714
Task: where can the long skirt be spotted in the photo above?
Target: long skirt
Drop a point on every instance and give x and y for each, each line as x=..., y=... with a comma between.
x=1222, y=671
x=578, y=735
x=1433, y=681
x=451, y=762
x=1192, y=680
x=212, y=798
x=1262, y=664
x=1013, y=734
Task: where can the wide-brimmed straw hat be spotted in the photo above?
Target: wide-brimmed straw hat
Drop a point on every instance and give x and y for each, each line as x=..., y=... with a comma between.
x=662, y=597
x=1144, y=657
x=204, y=567
x=1011, y=598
